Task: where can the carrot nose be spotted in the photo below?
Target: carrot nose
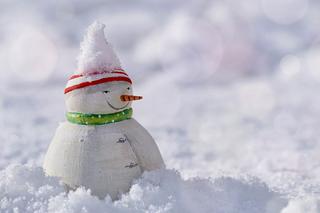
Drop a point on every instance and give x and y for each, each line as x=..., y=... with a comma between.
x=130, y=98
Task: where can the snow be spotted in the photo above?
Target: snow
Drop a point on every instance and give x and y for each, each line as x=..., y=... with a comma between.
x=27, y=189
x=303, y=205
x=96, y=53
x=228, y=159
x=239, y=121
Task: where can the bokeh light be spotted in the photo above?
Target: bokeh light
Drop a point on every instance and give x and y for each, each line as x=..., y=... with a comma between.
x=192, y=45
x=312, y=60
x=290, y=67
x=285, y=11
x=256, y=99
x=32, y=56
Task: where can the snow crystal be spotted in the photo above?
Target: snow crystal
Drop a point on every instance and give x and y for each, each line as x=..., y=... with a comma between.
x=96, y=53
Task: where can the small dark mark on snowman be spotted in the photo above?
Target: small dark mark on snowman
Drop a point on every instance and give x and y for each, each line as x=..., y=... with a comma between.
x=121, y=140
x=131, y=165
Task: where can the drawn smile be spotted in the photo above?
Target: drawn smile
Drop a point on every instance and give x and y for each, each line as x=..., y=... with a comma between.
x=117, y=108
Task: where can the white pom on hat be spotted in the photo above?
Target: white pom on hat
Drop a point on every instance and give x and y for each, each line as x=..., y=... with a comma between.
x=97, y=62
x=96, y=54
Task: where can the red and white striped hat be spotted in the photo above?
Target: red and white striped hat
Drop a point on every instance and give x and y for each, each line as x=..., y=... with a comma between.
x=97, y=62
x=79, y=81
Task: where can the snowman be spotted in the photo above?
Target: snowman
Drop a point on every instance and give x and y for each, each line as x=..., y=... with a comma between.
x=100, y=146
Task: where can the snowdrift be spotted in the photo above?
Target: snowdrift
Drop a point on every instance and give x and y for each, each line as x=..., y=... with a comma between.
x=27, y=189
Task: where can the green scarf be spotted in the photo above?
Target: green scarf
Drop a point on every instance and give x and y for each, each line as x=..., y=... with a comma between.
x=98, y=119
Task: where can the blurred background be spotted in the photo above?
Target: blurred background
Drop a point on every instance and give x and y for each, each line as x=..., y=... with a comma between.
x=229, y=86
x=213, y=41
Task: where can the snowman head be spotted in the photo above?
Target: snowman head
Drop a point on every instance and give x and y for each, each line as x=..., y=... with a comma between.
x=99, y=86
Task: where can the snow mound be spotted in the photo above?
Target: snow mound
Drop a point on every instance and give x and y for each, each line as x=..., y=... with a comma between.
x=308, y=204
x=96, y=54
x=27, y=189
x=166, y=191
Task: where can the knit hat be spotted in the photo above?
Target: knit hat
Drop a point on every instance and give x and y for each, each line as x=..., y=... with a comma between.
x=97, y=62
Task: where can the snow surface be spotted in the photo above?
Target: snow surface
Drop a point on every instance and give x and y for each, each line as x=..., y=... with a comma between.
x=27, y=189
x=242, y=151
x=230, y=95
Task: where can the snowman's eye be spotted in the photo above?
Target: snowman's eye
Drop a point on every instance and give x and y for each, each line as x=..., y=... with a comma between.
x=106, y=91
x=128, y=88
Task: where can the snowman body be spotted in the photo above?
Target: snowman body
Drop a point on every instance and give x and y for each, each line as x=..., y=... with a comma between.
x=103, y=158
x=100, y=146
